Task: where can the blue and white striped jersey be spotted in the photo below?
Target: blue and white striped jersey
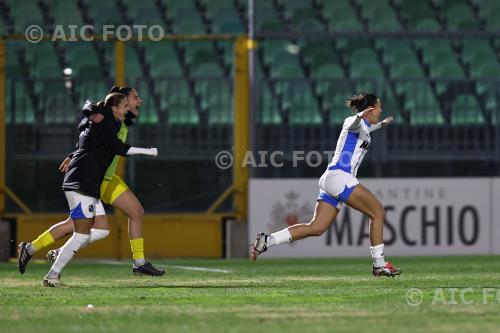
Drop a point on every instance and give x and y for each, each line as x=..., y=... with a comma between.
x=353, y=144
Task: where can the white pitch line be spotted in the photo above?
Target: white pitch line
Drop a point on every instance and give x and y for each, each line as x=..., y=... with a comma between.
x=188, y=268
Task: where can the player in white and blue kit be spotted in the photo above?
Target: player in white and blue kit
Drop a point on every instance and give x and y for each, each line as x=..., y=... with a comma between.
x=339, y=185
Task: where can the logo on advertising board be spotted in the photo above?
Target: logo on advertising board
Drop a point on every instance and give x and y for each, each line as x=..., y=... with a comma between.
x=290, y=210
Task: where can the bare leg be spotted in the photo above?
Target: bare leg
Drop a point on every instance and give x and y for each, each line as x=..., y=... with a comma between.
x=62, y=229
x=128, y=203
x=83, y=226
x=101, y=222
x=364, y=201
x=324, y=214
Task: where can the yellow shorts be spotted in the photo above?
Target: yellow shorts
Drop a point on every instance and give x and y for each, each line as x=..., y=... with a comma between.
x=112, y=189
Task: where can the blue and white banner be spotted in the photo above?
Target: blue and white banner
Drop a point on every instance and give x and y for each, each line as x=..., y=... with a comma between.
x=424, y=216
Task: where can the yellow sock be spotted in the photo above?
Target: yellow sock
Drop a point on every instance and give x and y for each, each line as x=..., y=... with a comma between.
x=43, y=240
x=137, y=246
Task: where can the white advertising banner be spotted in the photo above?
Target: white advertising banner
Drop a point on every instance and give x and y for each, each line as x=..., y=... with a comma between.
x=424, y=216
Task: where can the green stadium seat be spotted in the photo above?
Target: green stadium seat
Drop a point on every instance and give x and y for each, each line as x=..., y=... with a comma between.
x=207, y=69
x=80, y=54
x=302, y=107
x=445, y=5
x=460, y=17
x=325, y=73
x=188, y=21
x=228, y=26
x=219, y=104
x=321, y=58
x=104, y=13
x=19, y=106
x=420, y=103
x=42, y=54
x=406, y=70
x=174, y=5
x=170, y=68
x=133, y=68
x=466, y=111
x=370, y=5
x=271, y=48
x=19, y=11
x=414, y=11
x=194, y=47
x=176, y=99
x=291, y=7
x=268, y=111
x=222, y=13
x=158, y=52
x=66, y=13
x=341, y=16
x=429, y=25
x=477, y=51
x=399, y=56
x=269, y=26
x=146, y=15
x=303, y=14
x=379, y=15
x=485, y=71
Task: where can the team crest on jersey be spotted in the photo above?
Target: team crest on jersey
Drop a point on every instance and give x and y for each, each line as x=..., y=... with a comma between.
x=365, y=145
x=91, y=208
x=289, y=212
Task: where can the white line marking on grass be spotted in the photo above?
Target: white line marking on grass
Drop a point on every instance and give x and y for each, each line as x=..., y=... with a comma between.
x=188, y=268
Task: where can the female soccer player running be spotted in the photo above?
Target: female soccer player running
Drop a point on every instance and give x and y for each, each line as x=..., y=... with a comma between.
x=114, y=191
x=339, y=185
x=97, y=146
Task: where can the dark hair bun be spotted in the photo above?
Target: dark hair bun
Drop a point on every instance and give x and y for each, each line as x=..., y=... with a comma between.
x=358, y=103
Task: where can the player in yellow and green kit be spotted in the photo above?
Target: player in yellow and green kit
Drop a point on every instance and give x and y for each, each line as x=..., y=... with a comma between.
x=115, y=192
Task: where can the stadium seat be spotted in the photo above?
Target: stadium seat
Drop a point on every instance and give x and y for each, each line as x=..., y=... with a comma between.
x=66, y=13
x=176, y=99
x=145, y=15
x=25, y=13
x=466, y=111
x=268, y=111
x=461, y=17
x=341, y=16
x=476, y=51
x=302, y=106
x=414, y=11
x=187, y=20
x=379, y=15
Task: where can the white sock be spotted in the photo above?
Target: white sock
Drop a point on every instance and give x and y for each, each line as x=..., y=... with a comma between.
x=279, y=237
x=96, y=234
x=75, y=243
x=139, y=262
x=377, y=252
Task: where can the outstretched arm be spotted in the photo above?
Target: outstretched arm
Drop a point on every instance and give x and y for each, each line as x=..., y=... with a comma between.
x=383, y=123
x=352, y=122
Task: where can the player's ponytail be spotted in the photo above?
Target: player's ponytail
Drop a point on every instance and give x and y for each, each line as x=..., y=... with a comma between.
x=113, y=99
x=358, y=103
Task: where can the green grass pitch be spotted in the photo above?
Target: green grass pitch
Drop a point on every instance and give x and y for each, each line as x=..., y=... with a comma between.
x=270, y=295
